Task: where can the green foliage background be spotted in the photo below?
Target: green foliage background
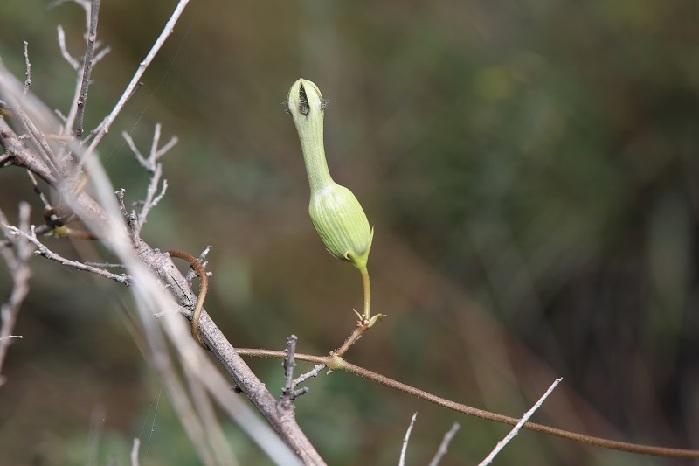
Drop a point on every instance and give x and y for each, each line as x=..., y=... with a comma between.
x=532, y=172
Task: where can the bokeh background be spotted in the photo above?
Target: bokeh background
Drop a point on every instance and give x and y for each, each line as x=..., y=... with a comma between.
x=532, y=172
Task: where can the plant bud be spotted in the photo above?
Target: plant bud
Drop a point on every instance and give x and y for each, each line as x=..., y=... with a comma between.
x=335, y=212
x=342, y=224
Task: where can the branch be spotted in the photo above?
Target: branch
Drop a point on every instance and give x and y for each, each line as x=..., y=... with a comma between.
x=155, y=168
x=501, y=444
x=106, y=124
x=442, y=450
x=98, y=220
x=87, y=68
x=16, y=154
x=406, y=439
x=28, y=69
x=18, y=263
x=289, y=392
x=335, y=363
x=312, y=373
x=42, y=250
x=64, y=49
x=134, y=451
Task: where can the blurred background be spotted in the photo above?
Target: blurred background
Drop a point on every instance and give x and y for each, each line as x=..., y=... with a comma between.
x=532, y=172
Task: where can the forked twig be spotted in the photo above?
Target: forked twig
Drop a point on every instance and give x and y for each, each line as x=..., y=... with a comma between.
x=42, y=250
x=289, y=391
x=107, y=122
x=155, y=168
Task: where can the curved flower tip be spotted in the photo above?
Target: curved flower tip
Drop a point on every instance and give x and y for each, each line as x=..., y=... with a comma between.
x=304, y=99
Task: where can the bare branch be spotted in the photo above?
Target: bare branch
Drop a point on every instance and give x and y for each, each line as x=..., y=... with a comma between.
x=152, y=199
x=312, y=373
x=289, y=392
x=134, y=451
x=21, y=272
x=60, y=115
x=289, y=366
x=8, y=254
x=105, y=265
x=335, y=363
x=444, y=445
x=166, y=148
x=191, y=273
x=101, y=54
x=87, y=68
x=137, y=153
x=42, y=250
x=39, y=230
x=406, y=439
x=38, y=140
x=106, y=124
x=28, y=68
x=155, y=168
x=501, y=444
x=64, y=49
x=37, y=190
x=158, y=283
x=55, y=3
x=23, y=157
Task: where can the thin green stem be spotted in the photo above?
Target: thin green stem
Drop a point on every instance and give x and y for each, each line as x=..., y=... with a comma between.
x=366, y=284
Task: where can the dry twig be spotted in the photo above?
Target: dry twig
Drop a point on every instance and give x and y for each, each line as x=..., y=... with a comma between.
x=28, y=69
x=42, y=250
x=406, y=439
x=501, y=444
x=106, y=124
x=88, y=62
x=134, y=451
x=18, y=263
x=155, y=168
x=444, y=445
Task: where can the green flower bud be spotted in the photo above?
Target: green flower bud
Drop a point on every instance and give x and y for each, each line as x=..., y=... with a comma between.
x=342, y=224
x=335, y=212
